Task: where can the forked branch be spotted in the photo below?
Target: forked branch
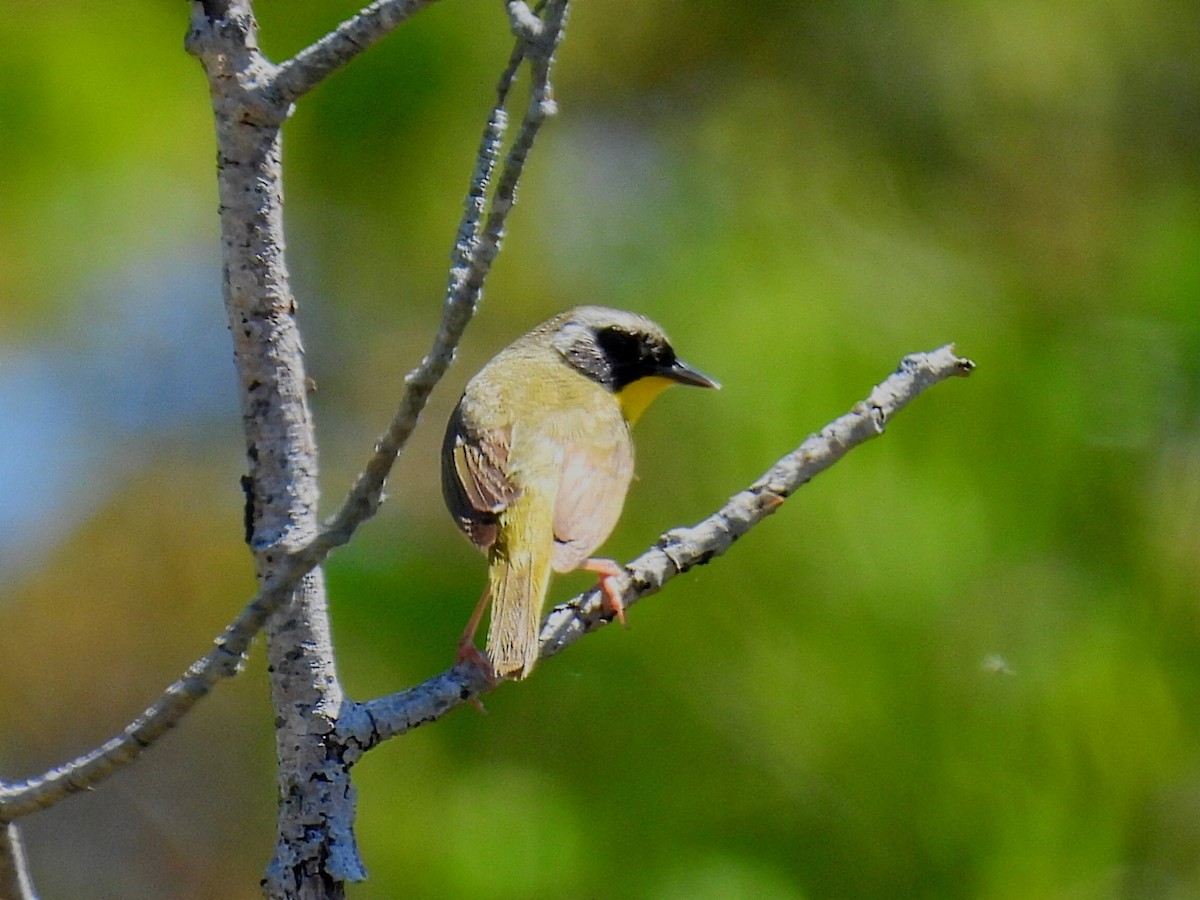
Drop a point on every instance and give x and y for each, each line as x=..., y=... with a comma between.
x=474, y=251
x=259, y=97
x=315, y=63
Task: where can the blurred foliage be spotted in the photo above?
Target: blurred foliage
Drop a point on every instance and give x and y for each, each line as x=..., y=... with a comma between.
x=963, y=663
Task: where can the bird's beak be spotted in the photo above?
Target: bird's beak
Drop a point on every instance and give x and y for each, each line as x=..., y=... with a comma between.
x=685, y=374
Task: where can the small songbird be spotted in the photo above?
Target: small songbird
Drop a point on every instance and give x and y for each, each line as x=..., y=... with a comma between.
x=537, y=459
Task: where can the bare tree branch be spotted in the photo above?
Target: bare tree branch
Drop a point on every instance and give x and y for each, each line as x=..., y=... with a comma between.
x=369, y=723
x=15, y=883
x=319, y=733
x=471, y=260
x=469, y=269
x=376, y=720
x=314, y=839
x=222, y=661
x=683, y=548
x=312, y=65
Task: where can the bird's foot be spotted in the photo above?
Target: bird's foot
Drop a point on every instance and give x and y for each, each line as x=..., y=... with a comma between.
x=609, y=574
x=467, y=653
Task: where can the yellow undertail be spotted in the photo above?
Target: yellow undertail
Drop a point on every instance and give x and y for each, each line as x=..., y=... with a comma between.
x=518, y=577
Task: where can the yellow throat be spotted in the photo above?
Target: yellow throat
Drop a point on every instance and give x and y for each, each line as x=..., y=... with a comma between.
x=635, y=397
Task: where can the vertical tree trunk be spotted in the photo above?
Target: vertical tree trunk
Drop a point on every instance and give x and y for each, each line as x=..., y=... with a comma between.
x=315, y=849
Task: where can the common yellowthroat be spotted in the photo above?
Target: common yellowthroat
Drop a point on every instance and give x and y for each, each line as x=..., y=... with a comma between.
x=537, y=459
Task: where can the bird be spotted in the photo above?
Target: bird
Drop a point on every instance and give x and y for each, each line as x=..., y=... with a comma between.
x=537, y=459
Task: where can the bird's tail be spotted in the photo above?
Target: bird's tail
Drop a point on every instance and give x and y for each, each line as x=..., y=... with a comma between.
x=518, y=577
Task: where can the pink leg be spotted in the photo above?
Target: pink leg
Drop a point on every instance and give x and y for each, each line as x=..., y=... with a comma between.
x=609, y=572
x=467, y=651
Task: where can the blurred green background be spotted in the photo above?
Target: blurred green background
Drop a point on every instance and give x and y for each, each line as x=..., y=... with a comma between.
x=963, y=663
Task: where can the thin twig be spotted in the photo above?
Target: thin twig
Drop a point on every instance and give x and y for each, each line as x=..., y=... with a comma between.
x=21, y=798
x=469, y=270
x=471, y=260
x=315, y=63
x=677, y=551
x=15, y=883
x=683, y=548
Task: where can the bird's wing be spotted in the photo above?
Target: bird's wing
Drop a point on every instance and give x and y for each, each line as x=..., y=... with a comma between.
x=475, y=483
x=591, y=493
